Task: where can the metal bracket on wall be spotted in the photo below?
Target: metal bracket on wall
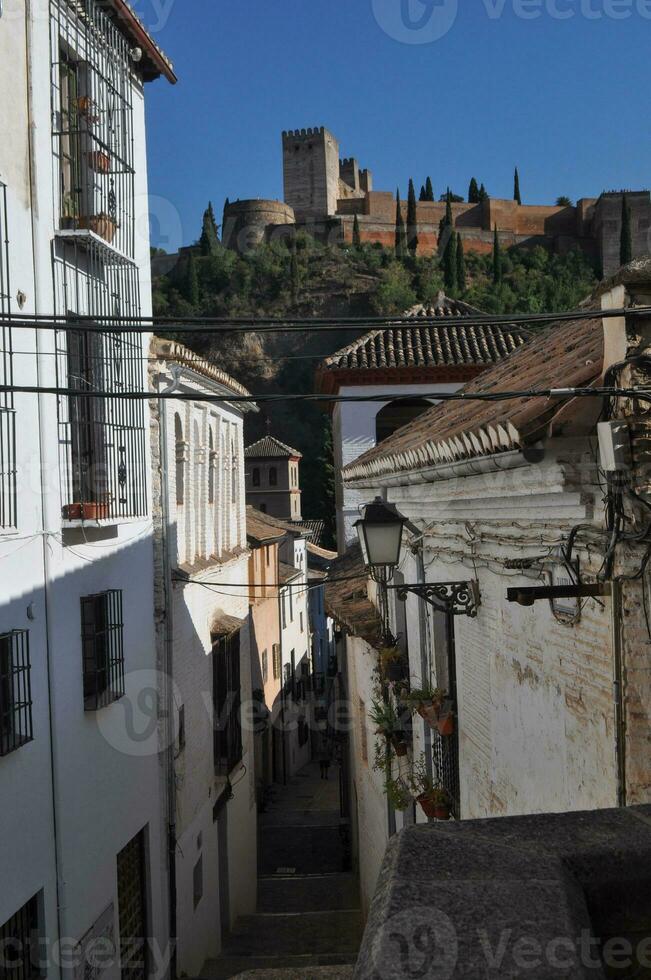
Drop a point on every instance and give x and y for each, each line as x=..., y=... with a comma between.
x=457, y=598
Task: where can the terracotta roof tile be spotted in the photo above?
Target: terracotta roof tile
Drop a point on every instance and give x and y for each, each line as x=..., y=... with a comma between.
x=271, y=447
x=563, y=356
x=347, y=599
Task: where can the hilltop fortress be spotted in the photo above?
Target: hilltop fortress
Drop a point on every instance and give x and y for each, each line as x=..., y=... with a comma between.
x=324, y=193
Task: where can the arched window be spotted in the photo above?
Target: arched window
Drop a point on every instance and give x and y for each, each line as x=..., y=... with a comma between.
x=273, y=476
x=398, y=413
x=255, y=477
x=180, y=460
x=211, y=467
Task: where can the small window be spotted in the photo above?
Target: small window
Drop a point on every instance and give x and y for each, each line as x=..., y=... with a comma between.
x=15, y=691
x=197, y=882
x=267, y=551
x=181, y=728
x=227, y=700
x=180, y=460
x=19, y=942
x=265, y=667
x=103, y=652
x=302, y=624
x=276, y=661
x=273, y=476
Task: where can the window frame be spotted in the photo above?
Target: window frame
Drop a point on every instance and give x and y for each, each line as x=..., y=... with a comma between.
x=22, y=931
x=16, y=723
x=227, y=701
x=102, y=649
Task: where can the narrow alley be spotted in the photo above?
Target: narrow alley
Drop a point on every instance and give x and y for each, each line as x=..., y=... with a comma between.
x=308, y=922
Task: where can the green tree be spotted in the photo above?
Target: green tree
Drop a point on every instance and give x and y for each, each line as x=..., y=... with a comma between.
x=473, y=192
x=461, y=265
x=357, y=239
x=401, y=234
x=423, y=193
x=516, y=187
x=626, y=237
x=563, y=201
x=395, y=293
x=209, y=240
x=483, y=194
x=191, y=289
x=412, y=219
x=497, y=258
x=450, y=264
x=429, y=190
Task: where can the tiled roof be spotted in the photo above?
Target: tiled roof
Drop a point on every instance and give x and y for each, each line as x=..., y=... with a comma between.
x=290, y=527
x=565, y=355
x=347, y=597
x=133, y=25
x=225, y=625
x=287, y=572
x=260, y=531
x=271, y=447
x=428, y=344
x=316, y=529
x=170, y=350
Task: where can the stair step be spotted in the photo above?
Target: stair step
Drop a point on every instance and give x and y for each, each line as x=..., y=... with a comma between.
x=310, y=850
x=312, y=933
x=301, y=967
x=308, y=894
x=316, y=973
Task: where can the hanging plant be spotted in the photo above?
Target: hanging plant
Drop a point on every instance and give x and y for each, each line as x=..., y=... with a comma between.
x=433, y=798
x=398, y=793
x=394, y=663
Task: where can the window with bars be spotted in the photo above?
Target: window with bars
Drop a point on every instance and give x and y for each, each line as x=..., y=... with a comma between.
x=102, y=439
x=227, y=700
x=15, y=691
x=19, y=944
x=102, y=632
x=93, y=126
x=277, y=661
x=7, y=413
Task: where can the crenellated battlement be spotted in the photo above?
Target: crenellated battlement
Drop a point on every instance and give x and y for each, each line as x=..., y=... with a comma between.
x=297, y=134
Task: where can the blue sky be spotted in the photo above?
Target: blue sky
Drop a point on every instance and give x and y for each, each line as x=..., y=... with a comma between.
x=509, y=83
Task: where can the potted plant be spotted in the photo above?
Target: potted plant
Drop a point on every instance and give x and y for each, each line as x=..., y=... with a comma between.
x=99, y=161
x=393, y=663
x=398, y=794
x=434, y=800
x=86, y=511
x=69, y=211
x=427, y=701
x=388, y=724
x=102, y=224
x=445, y=719
x=87, y=108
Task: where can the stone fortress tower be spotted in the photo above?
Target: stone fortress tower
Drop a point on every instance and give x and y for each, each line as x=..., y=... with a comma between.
x=315, y=180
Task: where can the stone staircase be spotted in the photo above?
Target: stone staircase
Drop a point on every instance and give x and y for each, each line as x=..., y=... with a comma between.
x=306, y=926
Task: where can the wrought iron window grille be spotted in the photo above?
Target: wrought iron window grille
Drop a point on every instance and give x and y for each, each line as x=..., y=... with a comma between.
x=19, y=942
x=15, y=691
x=102, y=631
x=227, y=702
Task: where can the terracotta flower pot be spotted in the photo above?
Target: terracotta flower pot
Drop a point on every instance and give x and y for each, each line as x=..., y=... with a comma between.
x=89, y=511
x=86, y=107
x=428, y=713
x=442, y=811
x=99, y=161
x=101, y=224
x=445, y=724
x=433, y=809
x=401, y=747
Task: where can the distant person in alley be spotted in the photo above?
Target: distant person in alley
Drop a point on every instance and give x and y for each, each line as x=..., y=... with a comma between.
x=324, y=756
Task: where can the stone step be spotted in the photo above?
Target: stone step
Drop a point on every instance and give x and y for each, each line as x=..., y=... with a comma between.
x=300, y=967
x=318, y=893
x=303, y=933
x=309, y=850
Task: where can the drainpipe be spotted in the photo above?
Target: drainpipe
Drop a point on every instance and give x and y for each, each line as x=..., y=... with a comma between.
x=168, y=668
x=41, y=373
x=618, y=691
x=424, y=648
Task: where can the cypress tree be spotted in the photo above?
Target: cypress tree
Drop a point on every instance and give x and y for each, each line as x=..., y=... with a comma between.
x=483, y=193
x=446, y=224
x=516, y=187
x=423, y=193
x=293, y=270
x=209, y=240
x=497, y=258
x=429, y=190
x=626, y=237
x=450, y=264
x=461, y=265
x=192, y=281
x=357, y=240
x=449, y=218
x=412, y=219
x=473, y=192
x=401, y=234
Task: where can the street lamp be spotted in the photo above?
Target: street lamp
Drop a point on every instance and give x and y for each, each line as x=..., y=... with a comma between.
x=380, y=537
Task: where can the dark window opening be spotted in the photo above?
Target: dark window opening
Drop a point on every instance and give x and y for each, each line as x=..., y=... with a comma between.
x=273, y=476
x=103, y=651
x=255, y=477
x=15, y=691
x=197, y=882
x=19, y=944
x=132, y=909
x=263, y=508
x=227, y=700
x=179, y=461
x=398, y=413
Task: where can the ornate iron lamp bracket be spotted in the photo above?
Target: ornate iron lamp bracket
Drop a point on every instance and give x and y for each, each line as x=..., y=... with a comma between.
x=457, y=598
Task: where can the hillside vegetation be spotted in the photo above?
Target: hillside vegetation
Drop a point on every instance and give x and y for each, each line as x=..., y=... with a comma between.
x=315, y=280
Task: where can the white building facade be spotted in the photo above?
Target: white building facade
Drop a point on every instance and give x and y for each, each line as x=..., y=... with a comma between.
x=83, y=850
x=202, y=602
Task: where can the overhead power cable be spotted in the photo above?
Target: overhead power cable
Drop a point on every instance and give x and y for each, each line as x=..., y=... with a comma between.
x=217, y=325
x=642, y=394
